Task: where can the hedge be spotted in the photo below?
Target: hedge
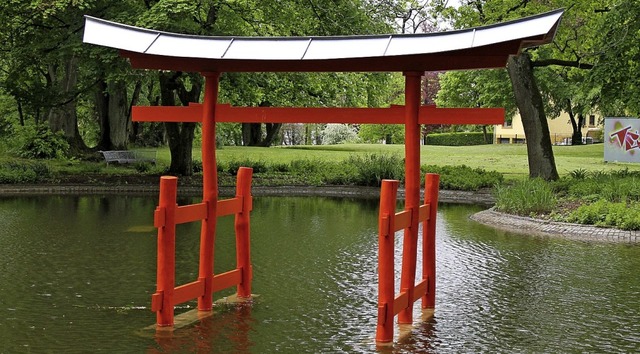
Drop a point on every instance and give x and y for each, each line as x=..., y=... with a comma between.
x=457, y=139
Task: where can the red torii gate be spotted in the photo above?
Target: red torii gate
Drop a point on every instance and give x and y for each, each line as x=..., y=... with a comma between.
x=481, y=47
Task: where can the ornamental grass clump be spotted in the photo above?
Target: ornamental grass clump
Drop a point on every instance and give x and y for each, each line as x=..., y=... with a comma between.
x=371, y=169
x=526, y=197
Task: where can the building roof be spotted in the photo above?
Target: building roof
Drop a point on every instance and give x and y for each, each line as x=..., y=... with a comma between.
x=480, y=47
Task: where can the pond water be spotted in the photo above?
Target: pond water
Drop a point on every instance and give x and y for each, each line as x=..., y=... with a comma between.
x=77, y=274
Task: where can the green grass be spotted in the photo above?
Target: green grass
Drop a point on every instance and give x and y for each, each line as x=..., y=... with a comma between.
x=510, y=160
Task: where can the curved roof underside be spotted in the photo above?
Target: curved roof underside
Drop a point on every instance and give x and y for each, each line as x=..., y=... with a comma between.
x=474, y=48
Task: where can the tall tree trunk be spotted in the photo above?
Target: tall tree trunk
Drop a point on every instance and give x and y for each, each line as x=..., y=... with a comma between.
x=118, y=108
x=180, y=135
x=576, y=125
x=529, y=101
x=251, y=134
x=102, y=109
x=64, y=117
x=113, y=110
x=272, y=133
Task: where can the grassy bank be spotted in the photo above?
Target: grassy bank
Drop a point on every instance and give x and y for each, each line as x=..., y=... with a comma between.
x=510, y=160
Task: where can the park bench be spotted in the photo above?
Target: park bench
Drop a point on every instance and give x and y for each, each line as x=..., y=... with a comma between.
x=128, y=156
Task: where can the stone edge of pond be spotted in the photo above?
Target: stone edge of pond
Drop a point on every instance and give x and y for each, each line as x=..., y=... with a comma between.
x=545, y=228
x=483, y=197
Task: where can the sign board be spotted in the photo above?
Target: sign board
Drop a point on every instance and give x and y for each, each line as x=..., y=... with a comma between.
x=621, y=139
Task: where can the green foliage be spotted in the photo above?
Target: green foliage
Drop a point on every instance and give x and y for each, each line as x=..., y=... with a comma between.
x=476, y=88
x=623, y=186
x=41, y=143
x=580, y=173
x=387, y=133
x=463, y=177
x=526, y=197
x=258, y=166
x=23, y=172
x=456, y=139
x=608, y=214
x=196, y=165
x=371, y=169
x=143, y=166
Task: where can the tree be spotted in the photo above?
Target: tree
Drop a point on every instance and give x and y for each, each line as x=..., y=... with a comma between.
x=535, y=92
x=387, y=133
x=40, y=45
x=338, y=134
x=615, y=75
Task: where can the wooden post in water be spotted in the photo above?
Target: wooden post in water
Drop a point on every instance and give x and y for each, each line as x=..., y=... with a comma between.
x=242, y=228
x=386, y=274
x=432, y=186
x=165, y=221
x=209, y=190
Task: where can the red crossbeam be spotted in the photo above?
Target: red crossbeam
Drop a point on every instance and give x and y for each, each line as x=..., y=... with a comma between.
x=391, y=115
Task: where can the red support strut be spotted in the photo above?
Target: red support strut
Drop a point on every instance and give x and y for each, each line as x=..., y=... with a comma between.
x=243, y=241
x=165, y=221
x=386, y=275
x=431, y=188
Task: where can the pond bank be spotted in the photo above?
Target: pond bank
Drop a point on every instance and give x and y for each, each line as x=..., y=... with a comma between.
x=545, y=228
x=482, y=197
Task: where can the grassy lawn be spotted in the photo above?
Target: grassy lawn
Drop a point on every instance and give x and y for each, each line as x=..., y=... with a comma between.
x=510, y=160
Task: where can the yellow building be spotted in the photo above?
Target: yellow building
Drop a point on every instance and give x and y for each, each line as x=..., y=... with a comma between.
x=559, y=128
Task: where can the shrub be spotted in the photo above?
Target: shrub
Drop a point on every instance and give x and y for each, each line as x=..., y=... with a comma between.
x=196, y=165
x=526, y=197
x=580, y=173
x=463, y=177
x=604, y=213
x=456, y=139
x=371, y=169
x=258, y=166
x=143, y=166
x=306, y=166
x=614, y=187
x=17, y=172
x=338, y=134
x=41, y=143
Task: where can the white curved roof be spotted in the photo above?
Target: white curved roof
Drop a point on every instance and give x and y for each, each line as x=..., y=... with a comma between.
x=395, y=52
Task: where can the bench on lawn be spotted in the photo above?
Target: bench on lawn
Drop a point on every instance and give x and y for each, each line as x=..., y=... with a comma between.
x=128, y=156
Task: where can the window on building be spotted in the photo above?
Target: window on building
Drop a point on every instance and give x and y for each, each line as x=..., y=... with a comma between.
x=592, y=120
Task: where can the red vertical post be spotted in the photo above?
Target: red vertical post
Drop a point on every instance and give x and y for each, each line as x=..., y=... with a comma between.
x=166, y=269
x=431, y=190
x=209, y=189
x=386, y=275
x=242, y=227
x=412, y=190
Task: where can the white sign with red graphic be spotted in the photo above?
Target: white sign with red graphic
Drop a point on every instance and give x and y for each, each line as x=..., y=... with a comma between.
x=621, y=140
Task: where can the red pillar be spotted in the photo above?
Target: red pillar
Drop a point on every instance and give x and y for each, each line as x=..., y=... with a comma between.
x=431, y=189
x=166, y=266
x=412, y=189
x=386, y=274
x=209, y=189
x=242, y=228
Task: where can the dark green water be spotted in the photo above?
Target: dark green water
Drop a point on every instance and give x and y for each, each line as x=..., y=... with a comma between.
x=77, y=274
